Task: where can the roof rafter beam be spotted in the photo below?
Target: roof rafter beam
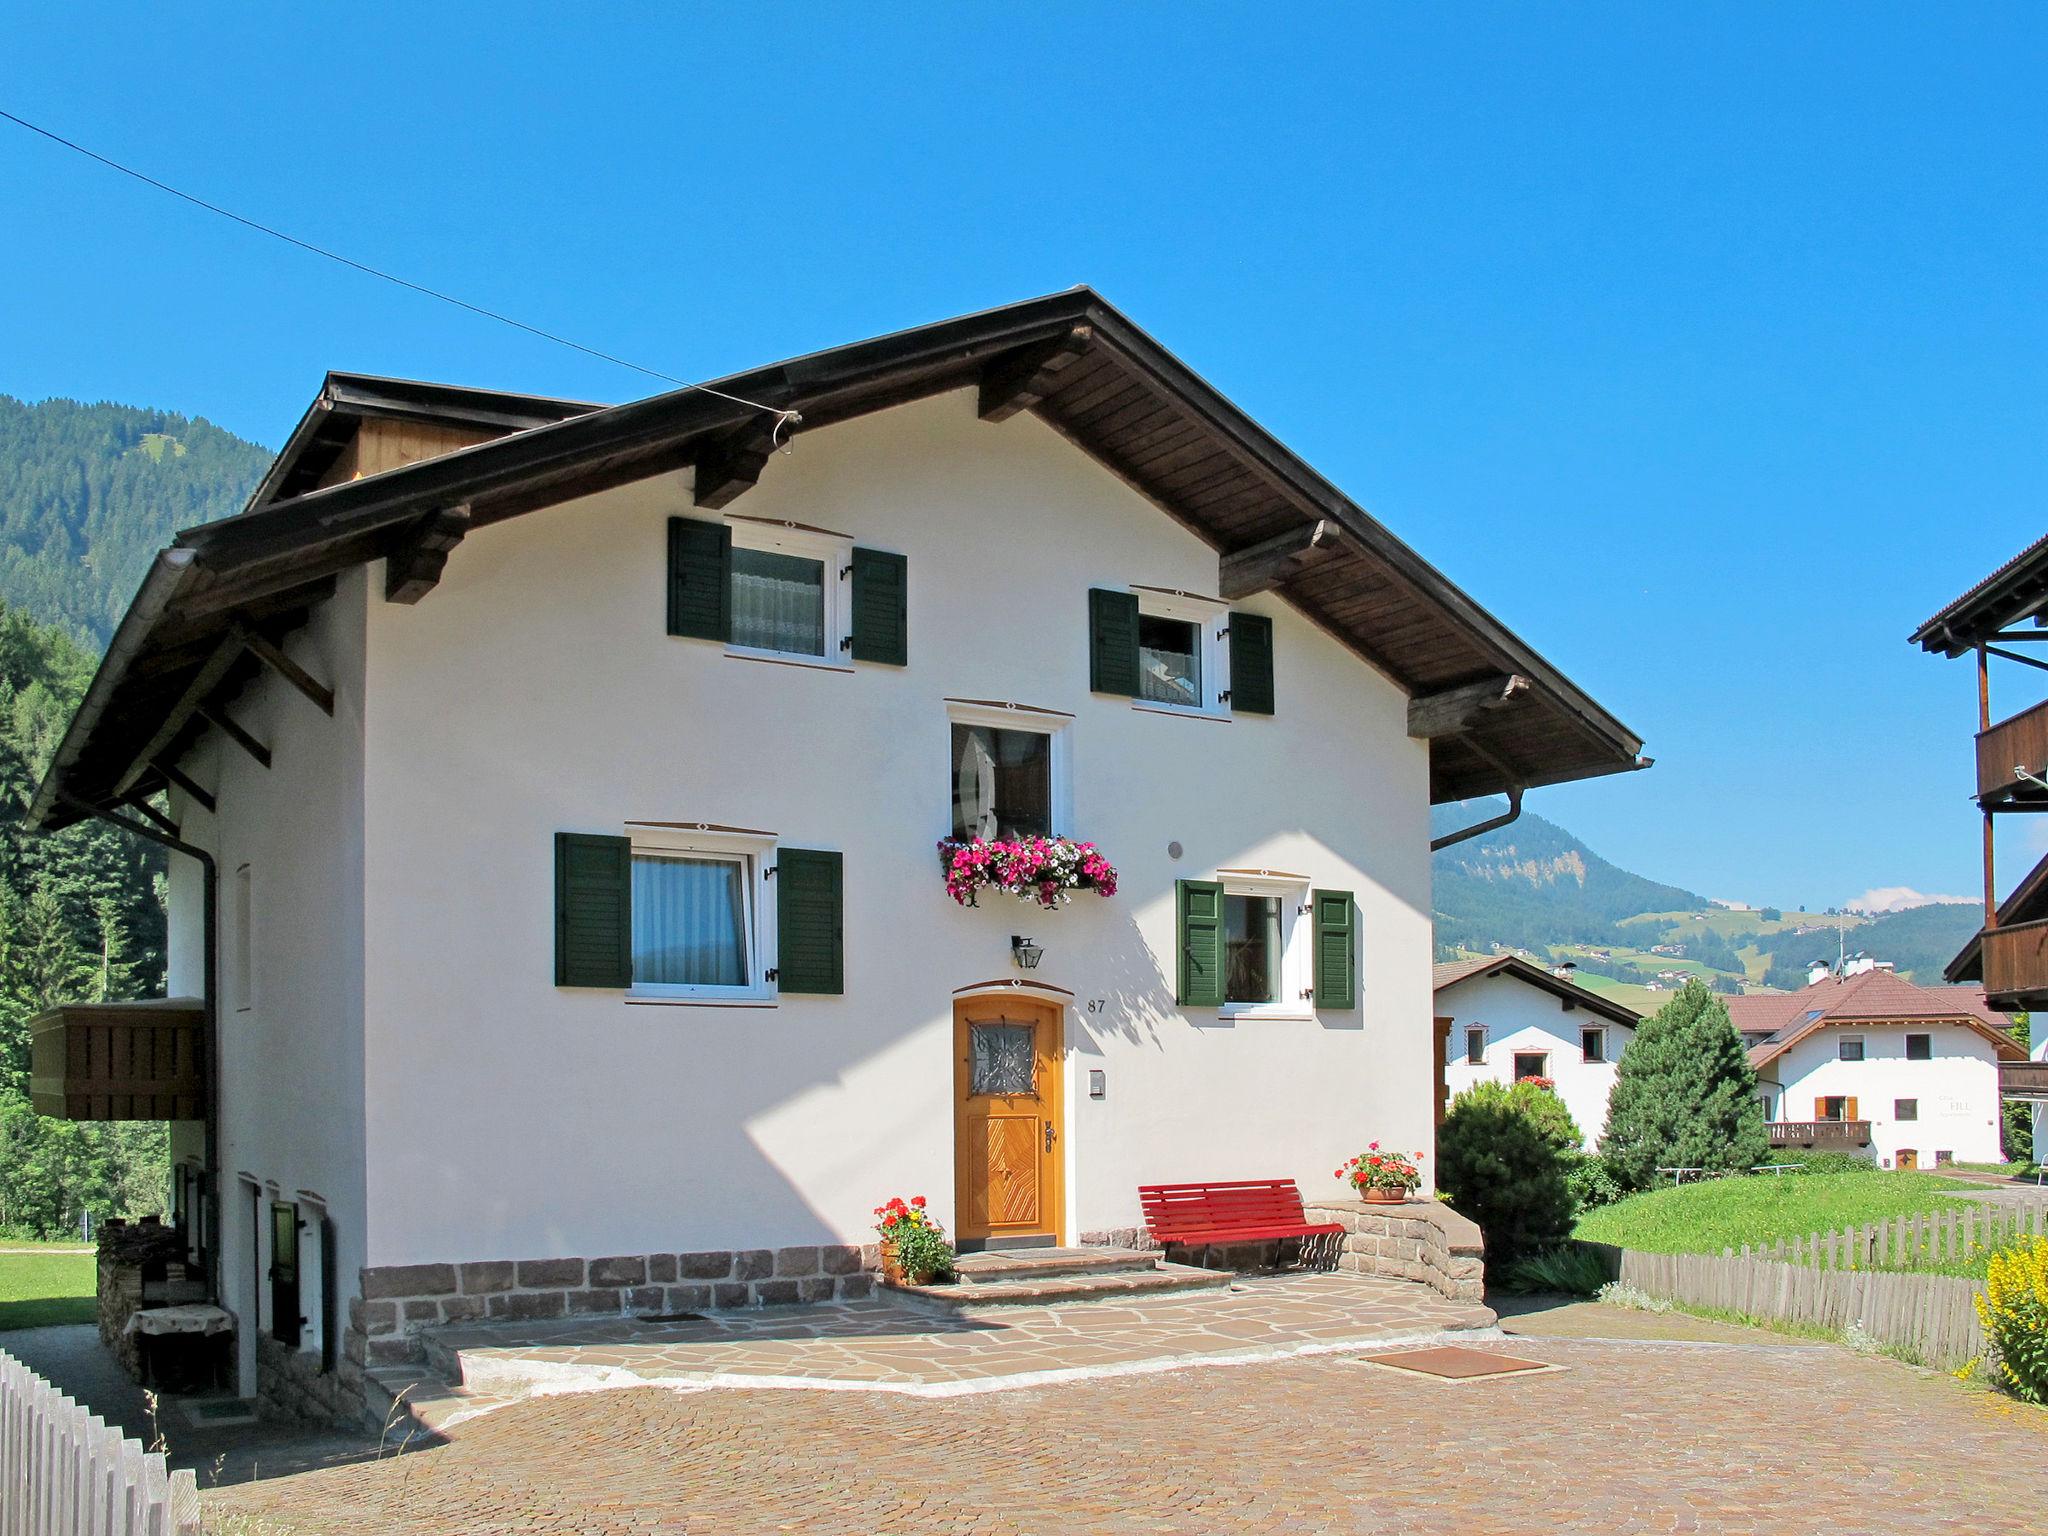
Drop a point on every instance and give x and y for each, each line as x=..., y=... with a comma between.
x=141, y=803
x=414, y=569
x=1456, y=710
x=272, y=655
x=213, y=714
x=1276, y=561
x=730, y=466
x=1016, y=381
x=212, y=672
x=174, y=774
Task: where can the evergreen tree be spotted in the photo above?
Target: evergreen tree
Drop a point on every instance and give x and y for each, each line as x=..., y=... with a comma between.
x=1685, y=1096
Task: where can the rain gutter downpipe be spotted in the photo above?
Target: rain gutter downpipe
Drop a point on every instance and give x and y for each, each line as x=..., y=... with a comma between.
x=1478, y=829
x=209, y=1237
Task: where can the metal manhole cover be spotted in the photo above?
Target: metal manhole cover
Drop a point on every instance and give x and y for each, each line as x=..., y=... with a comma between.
x=1456, y=1362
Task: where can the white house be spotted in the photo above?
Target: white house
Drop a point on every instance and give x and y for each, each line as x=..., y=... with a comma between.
x=564, y=787
x=1503, y=1018
x=1873, y=1063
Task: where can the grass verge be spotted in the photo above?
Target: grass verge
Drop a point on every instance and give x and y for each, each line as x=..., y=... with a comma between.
x=41, y=1289
x=1726, y=1213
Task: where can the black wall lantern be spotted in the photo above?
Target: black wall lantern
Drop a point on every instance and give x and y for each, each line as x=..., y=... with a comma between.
x=1025, y=952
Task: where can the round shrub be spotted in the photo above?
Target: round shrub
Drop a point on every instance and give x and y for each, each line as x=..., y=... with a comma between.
x=1591, y=1182
x=1502, y=1158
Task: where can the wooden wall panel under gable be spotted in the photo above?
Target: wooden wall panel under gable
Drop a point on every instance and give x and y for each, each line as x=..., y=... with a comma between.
x=381, y=445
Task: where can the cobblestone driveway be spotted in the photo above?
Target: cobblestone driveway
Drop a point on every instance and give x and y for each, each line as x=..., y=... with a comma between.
x=1633, y=1437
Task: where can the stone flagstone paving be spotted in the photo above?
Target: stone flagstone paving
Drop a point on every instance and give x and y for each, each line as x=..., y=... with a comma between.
x=1636, y=1436
x=888, y=1345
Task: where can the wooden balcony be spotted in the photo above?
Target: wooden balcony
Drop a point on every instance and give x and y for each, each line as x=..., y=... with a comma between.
x=2021, y=742
x=2015, y=963
x=2024, y=1080
x=119, y=1061
x=1820, y=1135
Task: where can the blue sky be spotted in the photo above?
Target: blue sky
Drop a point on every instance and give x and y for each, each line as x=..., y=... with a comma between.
x=1706, y=345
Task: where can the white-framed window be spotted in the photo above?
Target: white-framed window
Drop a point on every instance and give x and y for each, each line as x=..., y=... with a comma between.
x=703, y=928
x=789, y=593
x=1592, y=1043
x=1475, y=1045
x=1183, y=657
x=1532, y=1064
x=1006, y=770
x=1266, y=944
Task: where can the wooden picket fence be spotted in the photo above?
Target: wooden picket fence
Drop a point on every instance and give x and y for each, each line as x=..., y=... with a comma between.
x=64, y=1472
x=1932, y=1316
x=1913, y=1242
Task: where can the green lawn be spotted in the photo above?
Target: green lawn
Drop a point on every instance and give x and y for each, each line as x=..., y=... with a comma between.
x=1758, y=1209
x=37, y=1289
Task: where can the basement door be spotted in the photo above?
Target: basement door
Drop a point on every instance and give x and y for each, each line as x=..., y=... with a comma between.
x=1007, y=1111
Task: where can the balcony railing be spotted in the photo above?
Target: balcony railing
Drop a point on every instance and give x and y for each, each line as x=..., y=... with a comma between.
x=2024, y=1080
x=119, y=1061
x=2021, y=742
x=2016, y=960
x=1820, y=1135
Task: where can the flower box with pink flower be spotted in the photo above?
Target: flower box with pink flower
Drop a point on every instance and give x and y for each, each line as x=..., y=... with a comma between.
x=1046, y=870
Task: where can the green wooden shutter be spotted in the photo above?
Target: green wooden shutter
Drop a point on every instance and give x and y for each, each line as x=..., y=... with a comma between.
x=699, y=579
x=1113, y=642
x=1201, y=943
x=1336, y=955
x=881, y=620
x=1251, y=664
x=810, y=911
x=593, y=910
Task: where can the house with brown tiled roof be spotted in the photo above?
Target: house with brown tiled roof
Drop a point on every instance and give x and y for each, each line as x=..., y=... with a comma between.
x=1873, y=1063
x=1502, y=1018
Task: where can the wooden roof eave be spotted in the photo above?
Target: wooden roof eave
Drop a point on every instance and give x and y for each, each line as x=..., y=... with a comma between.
x=278, y=552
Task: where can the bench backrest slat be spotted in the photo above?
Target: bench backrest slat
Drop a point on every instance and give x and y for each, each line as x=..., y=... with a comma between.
x=1237, y=1204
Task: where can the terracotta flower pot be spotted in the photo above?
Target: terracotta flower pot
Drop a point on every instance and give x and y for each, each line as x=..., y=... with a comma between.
x=893, y=1271
x=1375, y=1196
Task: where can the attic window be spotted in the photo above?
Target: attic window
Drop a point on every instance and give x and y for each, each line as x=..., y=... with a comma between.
x=1849, y=1048
x=1919, y=1047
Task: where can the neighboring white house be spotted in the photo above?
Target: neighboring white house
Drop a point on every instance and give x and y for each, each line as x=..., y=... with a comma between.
x=1504, y=1018
x=574, y=779
x=1873, y=1063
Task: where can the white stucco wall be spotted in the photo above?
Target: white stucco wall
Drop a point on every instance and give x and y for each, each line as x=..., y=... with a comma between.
x=1957, y=1091
x=535, y=690
x=1520, y=1017
x=291, y=1091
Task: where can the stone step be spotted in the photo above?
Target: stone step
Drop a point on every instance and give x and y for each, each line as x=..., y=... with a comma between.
x=1004, y=1265
x=1068, y=1289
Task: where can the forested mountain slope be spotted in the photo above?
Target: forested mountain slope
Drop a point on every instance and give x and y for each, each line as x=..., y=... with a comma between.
x=89, y=492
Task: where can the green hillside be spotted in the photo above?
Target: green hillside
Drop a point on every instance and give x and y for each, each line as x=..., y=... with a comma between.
x=89, y=492
x=1533, y=886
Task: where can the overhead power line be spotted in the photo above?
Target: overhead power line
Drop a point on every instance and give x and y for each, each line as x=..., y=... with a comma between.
x=784, y=417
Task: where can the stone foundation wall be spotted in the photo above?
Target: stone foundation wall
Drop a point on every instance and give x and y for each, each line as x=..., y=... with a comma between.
x=290, y=1385
x=399, y=1300
x=1422, y=1240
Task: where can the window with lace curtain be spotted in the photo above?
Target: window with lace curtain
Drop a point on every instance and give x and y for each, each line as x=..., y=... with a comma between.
x=787, y=592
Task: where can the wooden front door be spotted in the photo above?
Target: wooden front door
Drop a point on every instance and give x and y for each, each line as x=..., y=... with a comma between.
x=1907, y=1157
x=1007, y=1122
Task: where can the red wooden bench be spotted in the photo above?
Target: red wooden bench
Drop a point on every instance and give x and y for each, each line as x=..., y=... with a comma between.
x=1243, y=1211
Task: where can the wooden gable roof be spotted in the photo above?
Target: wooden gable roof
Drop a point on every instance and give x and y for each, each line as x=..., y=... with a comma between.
x=1497, y=715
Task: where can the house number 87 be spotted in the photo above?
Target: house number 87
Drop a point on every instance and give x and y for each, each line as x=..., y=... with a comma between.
x=1097, y=1004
